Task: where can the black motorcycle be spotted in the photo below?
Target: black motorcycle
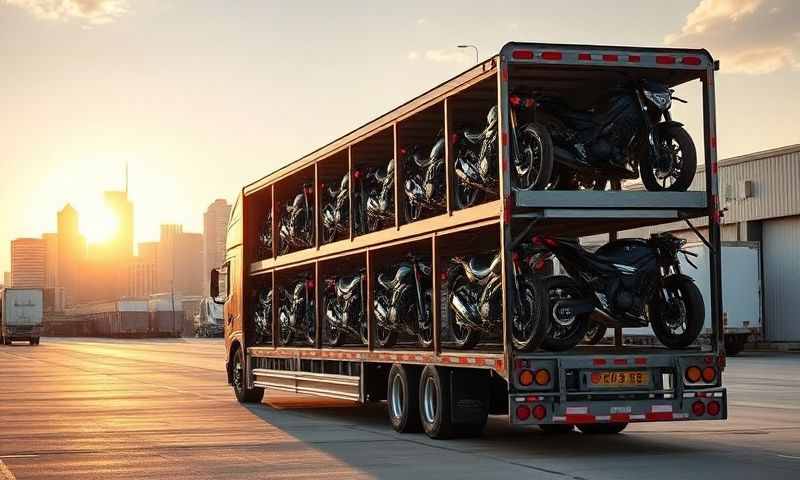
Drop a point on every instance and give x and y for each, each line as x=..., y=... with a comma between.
x=265, y=237
x=625, y=283
x=630, y=130
x=476, y=164
x=344, y=309
x=374, y=197
x=425, y=183
x=297, y=224
x=263, y=316
x=336, y=213
x=296, y=315
x=403, y=304
x=475, y=301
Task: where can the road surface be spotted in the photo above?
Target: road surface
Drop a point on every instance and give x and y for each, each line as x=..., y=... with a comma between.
x=160, y=409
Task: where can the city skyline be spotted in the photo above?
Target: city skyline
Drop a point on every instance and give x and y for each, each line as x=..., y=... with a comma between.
x=195, y=117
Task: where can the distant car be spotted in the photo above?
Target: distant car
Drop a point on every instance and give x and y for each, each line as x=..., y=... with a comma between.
x=208, y=322
x=21, y=315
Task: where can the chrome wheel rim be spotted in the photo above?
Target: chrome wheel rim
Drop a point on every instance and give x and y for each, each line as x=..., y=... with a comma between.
x=397, y=397
x=429, y=403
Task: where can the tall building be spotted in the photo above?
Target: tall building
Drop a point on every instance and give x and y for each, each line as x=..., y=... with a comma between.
x=215, y=224
x=180, y=261
x=7, y=279
x=71, y=254
x=143, y=271
x=51, y=260
x=120, y=246
x=28, y=258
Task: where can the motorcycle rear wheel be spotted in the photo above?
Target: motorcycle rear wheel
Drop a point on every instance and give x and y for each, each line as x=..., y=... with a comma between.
x=425, y=335
x=467, y=196
x=464, y=336
x=534, y=318
x=534, y=168
x=285, y=333
x=690, y=305
x=676, y=142
x=563, y=337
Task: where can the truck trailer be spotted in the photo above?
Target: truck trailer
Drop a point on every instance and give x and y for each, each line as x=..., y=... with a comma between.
x=21, y=311
x=442, y=387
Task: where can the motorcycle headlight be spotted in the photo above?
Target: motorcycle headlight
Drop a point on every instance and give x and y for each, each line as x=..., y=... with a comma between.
x=661, y=100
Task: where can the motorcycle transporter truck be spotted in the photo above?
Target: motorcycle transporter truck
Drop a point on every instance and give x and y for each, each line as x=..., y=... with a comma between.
x=434, y=384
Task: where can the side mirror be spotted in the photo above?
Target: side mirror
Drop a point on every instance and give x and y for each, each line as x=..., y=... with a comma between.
x=214, y=287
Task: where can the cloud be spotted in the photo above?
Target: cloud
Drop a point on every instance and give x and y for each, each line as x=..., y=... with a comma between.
x=748, y=36
x=94, y=12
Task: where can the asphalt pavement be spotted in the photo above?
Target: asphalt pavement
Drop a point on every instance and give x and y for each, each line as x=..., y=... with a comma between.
x=160, y=409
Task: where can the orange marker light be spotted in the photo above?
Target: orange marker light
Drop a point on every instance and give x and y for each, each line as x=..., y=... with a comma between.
x=542, y=377
x=693, y=374
x=525, y=378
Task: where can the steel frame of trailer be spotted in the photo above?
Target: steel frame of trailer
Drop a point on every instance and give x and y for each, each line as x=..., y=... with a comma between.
x=579, y=213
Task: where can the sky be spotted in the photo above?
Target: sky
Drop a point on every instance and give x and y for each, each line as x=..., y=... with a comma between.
x=200, y=97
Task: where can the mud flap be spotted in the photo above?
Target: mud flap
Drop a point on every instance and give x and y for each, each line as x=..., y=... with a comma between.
x=470, y=397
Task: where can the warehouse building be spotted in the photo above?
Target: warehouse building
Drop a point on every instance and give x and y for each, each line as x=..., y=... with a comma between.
x=760, y=198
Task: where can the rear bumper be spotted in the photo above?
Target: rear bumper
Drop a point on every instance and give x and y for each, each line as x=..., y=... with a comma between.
x=22, y=332
x=523, y=408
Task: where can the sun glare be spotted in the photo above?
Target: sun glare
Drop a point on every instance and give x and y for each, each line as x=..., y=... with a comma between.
x=98, y=224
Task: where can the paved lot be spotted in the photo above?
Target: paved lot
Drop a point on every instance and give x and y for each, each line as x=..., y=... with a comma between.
x=86, y=409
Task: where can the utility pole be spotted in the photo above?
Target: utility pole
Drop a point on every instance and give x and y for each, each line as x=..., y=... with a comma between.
x=477, y=60
x=172, y=283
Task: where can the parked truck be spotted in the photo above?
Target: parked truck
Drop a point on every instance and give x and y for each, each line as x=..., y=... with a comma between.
x=21, y=312
x=301, y=234
x=208, y=321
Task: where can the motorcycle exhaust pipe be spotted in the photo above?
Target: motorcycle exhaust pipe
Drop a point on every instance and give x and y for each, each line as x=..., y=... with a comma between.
x=465, y=312
x=474, y=184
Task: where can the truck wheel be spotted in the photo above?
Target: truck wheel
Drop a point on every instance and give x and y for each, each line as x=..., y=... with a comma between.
x=37, y=340
x=556, y=429
x=434, y=402
x=734, y=344
x=602, y=428
x=402, y=398
x=243, y=394
x=32, y=341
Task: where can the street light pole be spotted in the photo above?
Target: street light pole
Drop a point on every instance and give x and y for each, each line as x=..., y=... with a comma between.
x=474, y=48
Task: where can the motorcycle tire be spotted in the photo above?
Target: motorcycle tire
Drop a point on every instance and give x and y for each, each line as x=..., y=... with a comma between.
x=285, y=333
x=694, y=309
x=560, y=338
x=464, y=338
x=685, y=145
x=384, y=337
x=334, y=336
x=541, y=135
x=425, y=338
x=595, y=333
x=535, y=316
x=466, y=196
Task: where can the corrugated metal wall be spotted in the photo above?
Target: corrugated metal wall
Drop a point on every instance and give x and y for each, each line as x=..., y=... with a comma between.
x=781, y=260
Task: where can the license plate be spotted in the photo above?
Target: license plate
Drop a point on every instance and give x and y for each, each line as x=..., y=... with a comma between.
x=620, y=379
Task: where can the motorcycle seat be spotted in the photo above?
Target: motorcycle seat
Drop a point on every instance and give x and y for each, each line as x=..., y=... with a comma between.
x=483, y=266
x=346, y=284
x=473, y=137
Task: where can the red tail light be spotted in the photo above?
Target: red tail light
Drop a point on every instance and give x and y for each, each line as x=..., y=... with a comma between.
x=665, y=59
x=522, y=55
x=523, y=412
x=709, y=374
x=584, y=56
x=403, y=151
x=698, y=408
x=356, y=174
x=443, y=276
x=514, y=100
x=551, y=55
x=713, y=408
x=634, y=58
x=690, y=60
x=539, y=412
x=610, y=57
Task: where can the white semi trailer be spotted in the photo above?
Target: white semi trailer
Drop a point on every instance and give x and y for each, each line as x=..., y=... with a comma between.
x=21, y=315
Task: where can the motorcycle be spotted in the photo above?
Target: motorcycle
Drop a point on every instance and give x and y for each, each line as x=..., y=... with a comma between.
x=403, y=304
x=297, y=225
x=263, y=316
x=296, y=316
x=475, y=300
x=375, y=198
x=344, y=309
x=476, y=164
x=425, y=183
x=335, y=214
x=265, y=237
x=633, y=131
x=625, y=283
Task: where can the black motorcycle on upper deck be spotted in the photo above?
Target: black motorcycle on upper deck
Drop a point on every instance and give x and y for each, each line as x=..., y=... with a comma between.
x=336, y=212
x=631, y=132
x=625, y=283
x=297, y=224
x=373, y=199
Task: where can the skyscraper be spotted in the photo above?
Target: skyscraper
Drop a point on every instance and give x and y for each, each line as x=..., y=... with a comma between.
x=71, y=254
x=215, y=224
x=51, y=260
x=180, y=259
x=120, y=245
x=28, y=258
x=143, y=271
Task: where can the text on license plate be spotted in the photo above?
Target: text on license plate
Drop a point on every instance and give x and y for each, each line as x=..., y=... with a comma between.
x=620, y=378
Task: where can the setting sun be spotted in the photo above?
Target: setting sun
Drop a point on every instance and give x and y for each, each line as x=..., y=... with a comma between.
x=97, y=223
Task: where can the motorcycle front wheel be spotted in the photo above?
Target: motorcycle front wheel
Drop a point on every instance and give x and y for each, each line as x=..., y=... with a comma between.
x=386, y=337
x=334, y=336
x=425, y=325
x=675, y=143
x=466, y=196
x=464, y=336
x=411, y=213
x=529, y=326
x=285, y=332
x=563, y=334
x=678, y=319
x=533, y=164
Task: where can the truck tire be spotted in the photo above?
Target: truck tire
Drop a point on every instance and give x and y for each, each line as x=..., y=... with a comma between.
x=602, y=428
x=402, y=398
x=32, y=341
x=734, y=344
x=435, y=401
x=37, y=340
x=243, y=394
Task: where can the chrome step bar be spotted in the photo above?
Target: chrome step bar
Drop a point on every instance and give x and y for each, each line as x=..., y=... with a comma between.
x=344, y=387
